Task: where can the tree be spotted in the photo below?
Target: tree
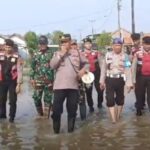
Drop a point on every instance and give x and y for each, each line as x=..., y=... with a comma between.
x=104, y=40
x=32, y=41
x=55, y=37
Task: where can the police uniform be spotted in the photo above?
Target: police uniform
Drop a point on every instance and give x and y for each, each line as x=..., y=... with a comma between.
x=94, y=58
x=141, y=71
x=66, y=84
x=135, y=51
x=10, y=78
x=43, y=77
x=115, y=73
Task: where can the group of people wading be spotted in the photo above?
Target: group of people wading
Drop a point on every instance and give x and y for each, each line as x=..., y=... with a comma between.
x=59, y=76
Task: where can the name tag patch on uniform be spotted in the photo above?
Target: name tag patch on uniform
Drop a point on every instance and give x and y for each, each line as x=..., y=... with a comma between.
x=13, y=59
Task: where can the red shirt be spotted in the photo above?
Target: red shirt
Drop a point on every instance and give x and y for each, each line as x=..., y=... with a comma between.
x=92, y=57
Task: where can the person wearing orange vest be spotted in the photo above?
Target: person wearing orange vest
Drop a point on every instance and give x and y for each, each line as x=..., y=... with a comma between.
x=141, y=62
x=93, y=58
x=10, y=79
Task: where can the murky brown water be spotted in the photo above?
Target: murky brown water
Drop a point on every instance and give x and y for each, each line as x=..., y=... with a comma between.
x=97, y=133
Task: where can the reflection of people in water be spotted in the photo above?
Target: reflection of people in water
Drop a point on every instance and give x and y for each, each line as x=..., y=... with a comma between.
x=9, y=137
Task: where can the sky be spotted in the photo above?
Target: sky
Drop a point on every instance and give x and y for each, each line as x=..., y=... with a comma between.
x=76, y=17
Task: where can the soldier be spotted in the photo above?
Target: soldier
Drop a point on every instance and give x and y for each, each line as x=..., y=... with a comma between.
x=93, y=58
x=10, y=79
x=116, y=70
x=141, y=62
x=42, y=77
x=66, y=62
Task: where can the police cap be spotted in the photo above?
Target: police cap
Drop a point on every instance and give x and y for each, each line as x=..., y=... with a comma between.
x=74, y=42
x=65, y=38
x=87, y=40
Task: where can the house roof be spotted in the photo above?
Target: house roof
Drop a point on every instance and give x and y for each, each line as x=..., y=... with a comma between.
x=128, y=41
x=122, y=29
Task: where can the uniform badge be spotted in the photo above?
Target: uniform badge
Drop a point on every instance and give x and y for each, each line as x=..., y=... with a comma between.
x=13, y=59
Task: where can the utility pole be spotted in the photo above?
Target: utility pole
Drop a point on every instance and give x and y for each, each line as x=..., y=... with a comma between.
x=80, y=32
x=132, y=15
x=92, y=21
x=119, y=9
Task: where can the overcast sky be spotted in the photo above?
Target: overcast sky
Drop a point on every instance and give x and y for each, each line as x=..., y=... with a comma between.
x=71, y=16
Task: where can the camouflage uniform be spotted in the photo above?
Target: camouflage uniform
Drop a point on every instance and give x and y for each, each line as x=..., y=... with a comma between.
x=43, y=76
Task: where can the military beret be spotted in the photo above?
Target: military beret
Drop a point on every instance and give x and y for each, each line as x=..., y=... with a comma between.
x=117, y=41
x=87, y=40
x=146, y=39
x=135, y=36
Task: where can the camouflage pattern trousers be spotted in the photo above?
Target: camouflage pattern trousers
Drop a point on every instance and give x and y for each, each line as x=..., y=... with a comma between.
x=38, y=95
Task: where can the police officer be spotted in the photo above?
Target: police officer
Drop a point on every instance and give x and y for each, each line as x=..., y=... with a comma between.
x=136, y=37
x=116, y=71
x=10, y=79
x=141, y=62
x=66, y=62
x=42, y=77
x=93, y=58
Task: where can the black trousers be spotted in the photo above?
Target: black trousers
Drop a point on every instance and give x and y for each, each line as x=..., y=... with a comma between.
x=5, y=88
x=114, y=91
x=138, y=89
x=144, y=84
x=97, y=87
x=72, y=97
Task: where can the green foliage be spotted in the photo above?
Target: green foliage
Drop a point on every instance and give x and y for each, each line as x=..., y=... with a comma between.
x=104, y=40
x=32, y=41
x=55, y=37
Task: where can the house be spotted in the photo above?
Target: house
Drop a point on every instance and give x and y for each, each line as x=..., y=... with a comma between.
x=126, y=36
x=2, y=39
x=20, y=42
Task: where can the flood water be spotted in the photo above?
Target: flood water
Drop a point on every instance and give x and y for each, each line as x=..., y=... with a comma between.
x=96, y=133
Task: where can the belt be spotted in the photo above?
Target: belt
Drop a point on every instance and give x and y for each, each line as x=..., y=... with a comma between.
x=116, y=75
